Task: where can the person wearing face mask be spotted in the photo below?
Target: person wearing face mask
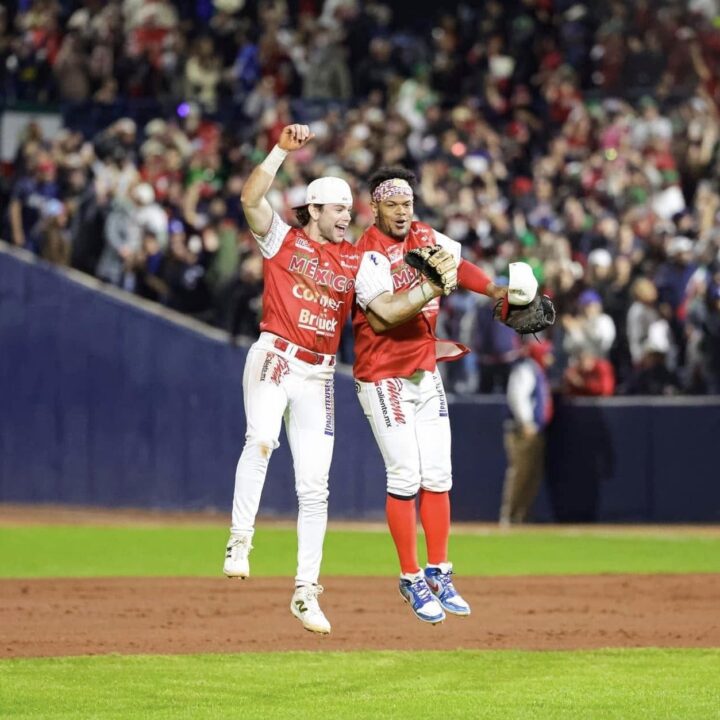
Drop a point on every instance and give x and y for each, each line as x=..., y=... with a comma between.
x=309, y=287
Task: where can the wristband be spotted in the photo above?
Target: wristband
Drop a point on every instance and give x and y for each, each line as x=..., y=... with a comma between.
x=420, y=294
x=271, y=164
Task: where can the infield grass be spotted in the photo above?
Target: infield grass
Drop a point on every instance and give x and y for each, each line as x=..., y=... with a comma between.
x=500, y=685
x=89, y=551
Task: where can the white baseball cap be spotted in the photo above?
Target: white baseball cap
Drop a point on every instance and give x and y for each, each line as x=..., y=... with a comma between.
x=327, y=190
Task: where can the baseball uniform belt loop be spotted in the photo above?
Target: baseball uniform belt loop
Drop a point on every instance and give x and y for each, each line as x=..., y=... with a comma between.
x=307, y=356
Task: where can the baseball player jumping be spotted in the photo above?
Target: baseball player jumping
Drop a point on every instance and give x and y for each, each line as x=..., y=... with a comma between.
x=309, y=275
x=401, y=391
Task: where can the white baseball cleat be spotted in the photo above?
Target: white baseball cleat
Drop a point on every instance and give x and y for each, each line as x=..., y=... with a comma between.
x=237, y=564
x=305, y=607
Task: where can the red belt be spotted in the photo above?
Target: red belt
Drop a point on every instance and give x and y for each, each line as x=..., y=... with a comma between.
x=308, y=356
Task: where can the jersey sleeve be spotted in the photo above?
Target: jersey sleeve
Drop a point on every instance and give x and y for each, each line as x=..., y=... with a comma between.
x=271, y=242
x=373, y=278
x=452, y=246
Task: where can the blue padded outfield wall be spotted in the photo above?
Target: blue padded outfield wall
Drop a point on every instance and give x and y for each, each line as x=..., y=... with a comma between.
x=110, y=403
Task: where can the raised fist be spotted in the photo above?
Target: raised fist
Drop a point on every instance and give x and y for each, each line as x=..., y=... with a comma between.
x=293, y=137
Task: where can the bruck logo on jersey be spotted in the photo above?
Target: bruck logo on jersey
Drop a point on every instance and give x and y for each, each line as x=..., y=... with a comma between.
x=319, y=324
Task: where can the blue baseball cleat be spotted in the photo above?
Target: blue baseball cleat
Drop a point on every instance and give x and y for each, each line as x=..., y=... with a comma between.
x=416, y=593
x=439, y=580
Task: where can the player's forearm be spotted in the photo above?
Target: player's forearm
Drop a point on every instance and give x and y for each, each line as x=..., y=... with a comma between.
x=471, y=277
x=388, y=310
x=261, y=178
x=255, y=206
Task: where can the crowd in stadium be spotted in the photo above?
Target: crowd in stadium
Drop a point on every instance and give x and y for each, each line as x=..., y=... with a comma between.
x=581, y=137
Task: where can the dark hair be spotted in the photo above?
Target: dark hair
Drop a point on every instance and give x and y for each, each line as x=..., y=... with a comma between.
x=389, y=172
x=303, y=215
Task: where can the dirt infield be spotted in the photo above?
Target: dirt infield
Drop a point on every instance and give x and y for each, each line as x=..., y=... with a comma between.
x=189, y=615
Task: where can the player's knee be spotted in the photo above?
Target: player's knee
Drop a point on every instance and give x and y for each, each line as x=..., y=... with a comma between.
x=257, y=451
x=313, y=501
x=438, y=483
x=262, y=446
x=403, y=484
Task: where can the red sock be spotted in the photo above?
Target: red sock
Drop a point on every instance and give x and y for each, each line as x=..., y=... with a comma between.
x=435, y=519
x=401, y=519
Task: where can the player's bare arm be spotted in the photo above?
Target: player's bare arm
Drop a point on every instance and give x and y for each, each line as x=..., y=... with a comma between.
x=388, y=310
x=496, y=292
x=257, y=209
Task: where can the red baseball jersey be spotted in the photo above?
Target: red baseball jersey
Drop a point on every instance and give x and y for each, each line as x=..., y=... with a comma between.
x=411, y=346
x=309, y=287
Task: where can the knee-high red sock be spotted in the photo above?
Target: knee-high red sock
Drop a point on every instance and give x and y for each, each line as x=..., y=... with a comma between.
x=401, y=519
x=435, y=519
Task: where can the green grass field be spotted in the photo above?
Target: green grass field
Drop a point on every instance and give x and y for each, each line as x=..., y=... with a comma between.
x=647, y=684
x=501, y=685
x=80, y=551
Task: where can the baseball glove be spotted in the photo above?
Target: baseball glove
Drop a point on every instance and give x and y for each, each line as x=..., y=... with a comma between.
x=537, y=315
x=436, y=264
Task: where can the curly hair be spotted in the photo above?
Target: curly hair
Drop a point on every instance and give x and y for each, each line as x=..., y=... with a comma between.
x=389, y=172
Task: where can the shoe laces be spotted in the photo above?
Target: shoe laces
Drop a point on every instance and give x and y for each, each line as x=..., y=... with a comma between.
x=444, y=579
x=242, y=544
x=421, y=589
x=310, y=595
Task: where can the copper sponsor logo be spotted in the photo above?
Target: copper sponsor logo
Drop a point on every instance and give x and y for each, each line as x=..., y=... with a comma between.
x=329, y=408
x=302, y=292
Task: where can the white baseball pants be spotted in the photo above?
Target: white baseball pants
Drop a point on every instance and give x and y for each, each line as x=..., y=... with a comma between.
x=276, y=387
x=409, y=419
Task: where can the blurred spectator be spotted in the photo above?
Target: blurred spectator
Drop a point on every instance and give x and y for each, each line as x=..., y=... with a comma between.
x=53, y=234
x=641, y=315
x=184, y=272
x=580, y=138
x=30, y=195
x=150, y=216
x=531, y=409
x=705, y=317
x=589, y=375
x=323, y=66
x=72, y=69
x=652, y=375
x=123, y=239
x=203, y=74
x=591, y=331
x=496, y=347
